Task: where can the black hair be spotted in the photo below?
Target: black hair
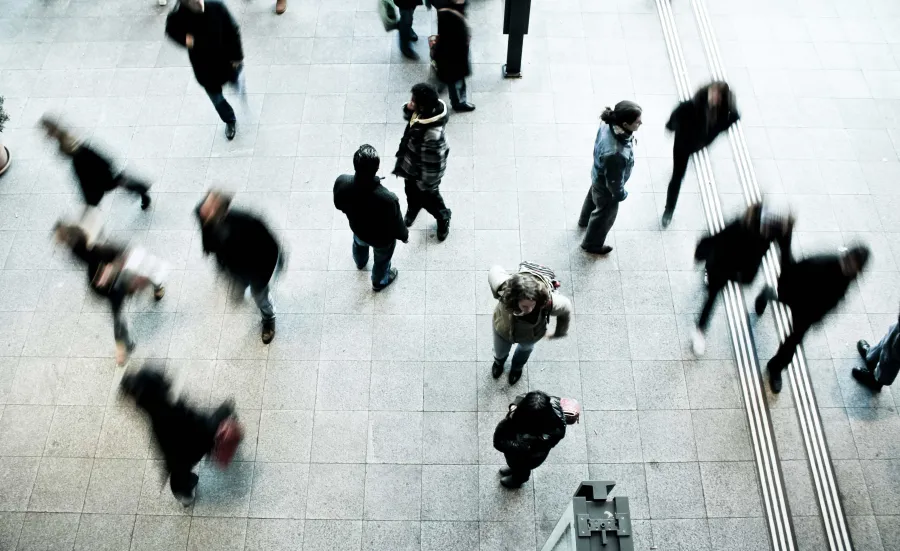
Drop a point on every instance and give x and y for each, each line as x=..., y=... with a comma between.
x=148, y=386
x=626, y=112
x=535, y=414
x=425, y=96
x=366, y=161
x=860, y=255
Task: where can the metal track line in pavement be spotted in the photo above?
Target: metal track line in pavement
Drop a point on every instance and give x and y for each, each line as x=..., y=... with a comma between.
x=801, y=386
x=762, y=434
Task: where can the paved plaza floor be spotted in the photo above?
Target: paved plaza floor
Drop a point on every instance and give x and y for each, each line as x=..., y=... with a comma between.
x=370, y=416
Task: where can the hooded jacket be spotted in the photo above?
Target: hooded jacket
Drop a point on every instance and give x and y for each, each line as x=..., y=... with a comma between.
x=613, y=161
x=373, y=211
x=691, y=122
x=423, y=151
x=243, y=246
x=532, y=327
x=524, y=449
x=451, y=52
x=217, y=41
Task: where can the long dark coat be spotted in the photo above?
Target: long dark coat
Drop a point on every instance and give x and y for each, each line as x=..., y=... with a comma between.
x=217, y=42
x=451, y=53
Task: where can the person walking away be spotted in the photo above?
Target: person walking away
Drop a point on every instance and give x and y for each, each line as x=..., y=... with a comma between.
x=451, y=53
x=374, y=216
x=735, y=254
x=213, y=41
x=533, y=426
x=115, y=273
x=422, y=157
x=184, y=435
x=696, y=123
x=613, y=161
x=244, y=248
x=405, y=27
x=882, y=361
x=525, y=302
x=812, y=288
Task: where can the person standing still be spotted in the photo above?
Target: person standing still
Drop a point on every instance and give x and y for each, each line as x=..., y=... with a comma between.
x=374, y=215
x=405, y=27
x=422, y=157
x=613, y=161
x=213, y=41
x=534, y=425
x=451, y=52
x=882, y=361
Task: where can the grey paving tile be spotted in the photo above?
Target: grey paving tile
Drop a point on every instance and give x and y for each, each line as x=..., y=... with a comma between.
x=217, y=533
x=155, y=533
x=395, y=437
x=667, y=436
x=17, y=475
x=343, y=385
x=450, y=386
x=738, y=533
x=674, y=490
x=613, y=437
x=48, y=531
x=864, y=533
x=879, y=476
x=60, y=485
x=279, y=490
x=115, y=486
x=274, y=534
x=730, y=489
x=104, y=532
x=226, y=493
x=681, y=533
x=285, y=435
x=450, y=492
x=446, y=438
x=383, y=482
x=24, y=429
x=336, y=491
x=449, y=536
x=339, y=437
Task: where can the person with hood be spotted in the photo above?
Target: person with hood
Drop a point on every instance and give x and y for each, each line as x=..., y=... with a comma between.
x=525, y=302
x=245, y=249
x=184, y=435
x=882, y=361
x=114, y=273
x=812, y=288
x=696, y=123
x=613, y=161
x=451, y=52
x=374, y=215
x=735, y=254
x=405, y=26
x=422, y=157
x=94, y=171
x=534, y=425
x=213, y=41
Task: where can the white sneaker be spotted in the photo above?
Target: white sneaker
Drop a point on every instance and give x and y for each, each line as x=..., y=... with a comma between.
x=698, y=343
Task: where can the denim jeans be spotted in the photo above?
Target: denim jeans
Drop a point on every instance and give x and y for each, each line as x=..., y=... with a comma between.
x=598, y=213
x=520, y=356
x=381, y=267
x=885, y=372
x=457, y=92
x=223, y=108
x=404, y=28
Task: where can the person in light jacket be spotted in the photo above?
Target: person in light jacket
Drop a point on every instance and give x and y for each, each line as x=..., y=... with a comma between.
x=882, y=360
x=525, y=302
x=534, y=425
x=613, y=161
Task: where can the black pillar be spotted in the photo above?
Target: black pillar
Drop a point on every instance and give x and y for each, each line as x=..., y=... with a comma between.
x=515, y=23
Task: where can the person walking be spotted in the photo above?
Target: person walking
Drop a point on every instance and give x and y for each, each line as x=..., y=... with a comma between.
x=374, y=216
x=882, y=361
x=534, y=425
x=696, y=123
x=525, y=302
x=735, y=254
x=812, y=288
x=244, y=248
x=405, y=27
x=451, y=52
x=613, y=161
x=422, y=157
x=213, y=41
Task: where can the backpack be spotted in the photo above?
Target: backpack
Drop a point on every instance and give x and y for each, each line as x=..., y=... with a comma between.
x=542, y=272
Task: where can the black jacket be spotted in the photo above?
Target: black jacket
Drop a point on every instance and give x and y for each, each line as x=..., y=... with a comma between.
x=373, y=211
x=95, y=174
x=451, y=53
x=812, y=287
x=691, y=121
x=523, y=449
x=422, y=155
x=96, y=257
x=243, y=246
x=736, y=252
x=217, y=41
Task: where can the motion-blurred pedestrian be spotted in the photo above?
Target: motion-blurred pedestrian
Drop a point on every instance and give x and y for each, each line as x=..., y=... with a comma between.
x=882, y=361
x=422, y=157
x=374, y=215
x=613, y=161
x=696, y=123
x=244, y=248
x=405, y=26
x=534, y=424
x=812, y=288
x=451, y=52
x=213, y=41
x=525, y=302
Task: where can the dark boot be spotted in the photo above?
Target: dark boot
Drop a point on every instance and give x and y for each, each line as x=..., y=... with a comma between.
x=605, y=249
x=511, y=483
x=515, y=373
x=145, y=202
x=392, y=275
x=230, y=130
x=666, y=219
x=410, y=218
x=505, y=471
x=863, y=348
x=763, y=299
x=775, y=379
x=866, y=378
x=497, y=369
x=443, y=227
x=268, y=332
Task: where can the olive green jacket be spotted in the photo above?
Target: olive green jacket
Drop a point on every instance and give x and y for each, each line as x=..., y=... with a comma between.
x=514, y=328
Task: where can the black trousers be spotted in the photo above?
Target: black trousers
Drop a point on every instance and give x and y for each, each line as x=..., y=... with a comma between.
x=428, y=199
x=132, y=185
x=182, y=480
x=521, y=467
x=598, y=214
x=681, y=155
x=785, y=353
x=712, y=293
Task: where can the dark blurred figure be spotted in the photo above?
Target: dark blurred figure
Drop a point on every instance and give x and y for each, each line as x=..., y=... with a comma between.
x=696, y=123
x=374, y=215
x=244, y=248
x=115, y=273
x=405, y=26
x=451, y=51
x=422, y=157
x=94, y=171
x=882, y=360
x=534, y=425
x=613, y=161
x=735, y=254
x=812, y=288
x=213, y=41
x=183, y=434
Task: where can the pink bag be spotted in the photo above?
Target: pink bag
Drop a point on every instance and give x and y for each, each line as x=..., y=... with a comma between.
x=571, y=409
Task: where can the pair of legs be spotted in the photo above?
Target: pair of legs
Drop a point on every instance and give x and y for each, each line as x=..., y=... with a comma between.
x=518, y=471
x=782, y=358
x=262, y=296
x=429, y=199
x=382, y=275
x=406, y=33
x=223, y=108
x=135, y=186
x=681, y=155
x=598, y=214
x=519, y=359
x=124, y=343
x=457, y=92
x=877, y=373
x=182, y=480
x=698, y=341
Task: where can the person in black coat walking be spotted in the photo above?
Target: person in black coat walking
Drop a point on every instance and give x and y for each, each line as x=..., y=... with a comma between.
x=696, y=123
x=534, y=424
x=184, y=435
x=244, y=248
x=213, y=41
x=812, y=288
x=451, y=52
x=374, y=215
x=735, y=254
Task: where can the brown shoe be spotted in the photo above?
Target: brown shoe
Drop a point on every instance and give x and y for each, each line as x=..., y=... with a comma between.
x=280, y=6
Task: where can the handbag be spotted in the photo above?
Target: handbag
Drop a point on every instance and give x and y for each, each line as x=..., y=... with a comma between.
x=390, y=15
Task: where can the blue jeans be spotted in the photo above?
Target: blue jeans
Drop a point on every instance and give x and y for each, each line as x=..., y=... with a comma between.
x=885, y=372
x=223, y=108
x=520, y=356
x=381, y=268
